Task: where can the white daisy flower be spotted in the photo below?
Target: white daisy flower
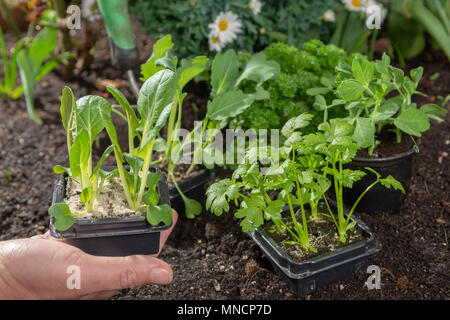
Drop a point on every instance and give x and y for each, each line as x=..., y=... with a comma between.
x=214, y=42
x=329, y=16
x=356, y=5
x=255, y=6
x=226, y=27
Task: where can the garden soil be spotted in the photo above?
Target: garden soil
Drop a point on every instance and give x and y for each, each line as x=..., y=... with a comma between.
x=210, y=256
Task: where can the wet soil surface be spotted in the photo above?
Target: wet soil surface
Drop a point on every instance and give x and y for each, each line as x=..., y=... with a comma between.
x=210, y=256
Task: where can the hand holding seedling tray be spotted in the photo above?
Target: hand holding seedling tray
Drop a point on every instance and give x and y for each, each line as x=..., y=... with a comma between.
x=145, y=190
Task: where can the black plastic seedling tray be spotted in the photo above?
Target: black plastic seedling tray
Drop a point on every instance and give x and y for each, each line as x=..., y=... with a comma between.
x=304, y=277
x=112, y=237
x=193, y=187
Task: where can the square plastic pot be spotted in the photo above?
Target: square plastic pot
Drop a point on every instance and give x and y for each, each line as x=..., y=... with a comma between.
x=309, y=275
x=116, y=236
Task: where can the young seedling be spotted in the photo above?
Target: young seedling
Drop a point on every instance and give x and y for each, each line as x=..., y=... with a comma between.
x=155, y=103
x=364, y=88
x=308, y=166
x=337, y=148
x=82, y=121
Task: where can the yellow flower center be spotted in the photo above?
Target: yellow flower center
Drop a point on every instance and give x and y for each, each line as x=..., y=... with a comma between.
x=223, y=25
x=356, y=3
x=214, y=40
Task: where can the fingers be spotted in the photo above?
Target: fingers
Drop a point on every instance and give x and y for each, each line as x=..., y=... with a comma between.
x=166, y=233
x=115, y=273
x=46, y=236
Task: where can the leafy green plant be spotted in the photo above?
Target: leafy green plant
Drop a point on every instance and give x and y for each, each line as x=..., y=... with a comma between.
x=82, y=121
x=308, y=166
x=376, y=94
x=8, y=85
x=304, y=73
x=155, y=102
x=227, y=101
x=34, y=60
x=90, y=115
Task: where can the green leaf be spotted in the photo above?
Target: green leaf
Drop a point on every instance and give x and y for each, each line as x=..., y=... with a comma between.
x=60, y=170
x=412, y=121
x=350, y=90
x=273, y=210
x=86, y=195
x=192, y=208
x=433, y=111
x=156, y=98
x=296, y=123
x=168, y=61
x=364, y=133
x=229, y=105
x=348, y=177
x=363, y=71
x=259, y=69
x=351, y=225
x=390, y=181
x=160, y=145
x=135, y=162
x=68, y=107
x=91, y=112
x=386, y=111
x=336, y=128
x=316, y=91
x=151, y=197
x=62, y=215
x=416, y=74
x=27, y=77
x=104, y=156
x=133, y=122
x=320, y=103
x=216, y=200
x=190, y=69
x=152, y=179
x=224, y=71
x=158, y=214
x=253, y=218
x=160, y=48
x=261, y=94
x=79, y=154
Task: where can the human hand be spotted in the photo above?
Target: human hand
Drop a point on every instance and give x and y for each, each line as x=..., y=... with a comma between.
x=36, y=268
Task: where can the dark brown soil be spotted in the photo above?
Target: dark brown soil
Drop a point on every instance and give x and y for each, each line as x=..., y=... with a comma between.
x=389, y=146
x=210, y=256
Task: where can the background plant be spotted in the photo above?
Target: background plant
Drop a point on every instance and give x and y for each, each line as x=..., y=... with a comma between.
x=293, y=22
x=33, y=57
x=377, y=94
x=303, y=73
x=8, y=87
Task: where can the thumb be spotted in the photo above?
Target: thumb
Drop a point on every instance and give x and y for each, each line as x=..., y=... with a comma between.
x=115, y=273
